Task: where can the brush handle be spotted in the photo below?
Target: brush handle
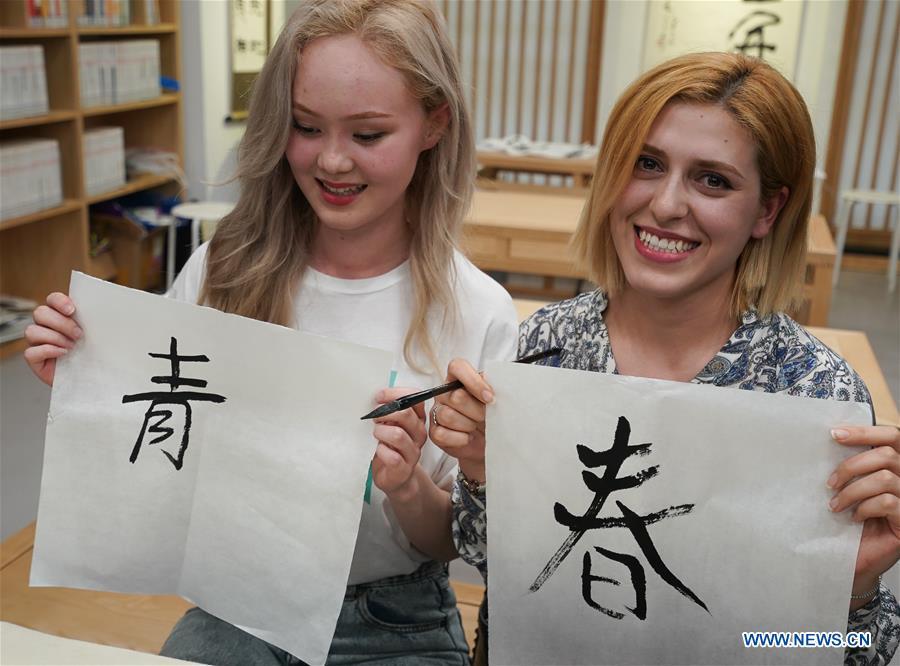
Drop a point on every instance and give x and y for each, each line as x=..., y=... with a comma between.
x=413, y=399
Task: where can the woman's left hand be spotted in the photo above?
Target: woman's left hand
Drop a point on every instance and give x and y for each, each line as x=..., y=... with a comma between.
x=869, y=482
x=400, y=436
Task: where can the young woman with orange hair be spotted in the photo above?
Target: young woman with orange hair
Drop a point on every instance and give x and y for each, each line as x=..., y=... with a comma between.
x=695, y=231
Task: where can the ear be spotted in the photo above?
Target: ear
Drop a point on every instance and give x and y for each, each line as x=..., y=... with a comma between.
x=437, y=122
x=768, y=213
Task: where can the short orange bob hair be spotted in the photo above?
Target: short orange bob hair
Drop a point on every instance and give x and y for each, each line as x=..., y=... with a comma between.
x=770, y=270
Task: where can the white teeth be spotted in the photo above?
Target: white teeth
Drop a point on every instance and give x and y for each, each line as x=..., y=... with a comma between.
x=669, y=245
x=343, y=191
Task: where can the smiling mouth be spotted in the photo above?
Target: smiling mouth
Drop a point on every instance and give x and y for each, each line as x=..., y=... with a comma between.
x=343, y=190
x=669, y=245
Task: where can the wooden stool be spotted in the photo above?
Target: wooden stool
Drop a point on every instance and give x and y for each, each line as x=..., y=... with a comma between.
x=197, y=212
x=848, y=199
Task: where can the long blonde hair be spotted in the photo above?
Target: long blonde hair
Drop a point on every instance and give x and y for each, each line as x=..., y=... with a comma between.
x=259, y=252
x=769, y=270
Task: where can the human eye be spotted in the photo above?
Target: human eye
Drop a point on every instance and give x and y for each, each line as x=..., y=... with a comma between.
x=714, y=181
x=646, y=163
x=368, y=137
x=303, y=130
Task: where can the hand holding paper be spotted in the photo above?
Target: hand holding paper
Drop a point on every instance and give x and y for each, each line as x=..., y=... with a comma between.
x=52, y=335
x=656, y=521
x=868, y=483
x=182, y=458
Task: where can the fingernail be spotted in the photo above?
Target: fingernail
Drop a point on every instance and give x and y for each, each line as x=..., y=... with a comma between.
x=70, y=309
x=78, y=332
x=832, y=503
x=488, y=397
x=832, y=480
x=380, y=396
x=839, y=434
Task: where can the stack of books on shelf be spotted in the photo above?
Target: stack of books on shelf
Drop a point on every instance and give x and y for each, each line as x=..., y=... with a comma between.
x=30, y=176
x=104, y=159
x=117, y=13
x=23, y=81
x=15, y=316
x=107, y=13
x=118, y=72
x=46, y=13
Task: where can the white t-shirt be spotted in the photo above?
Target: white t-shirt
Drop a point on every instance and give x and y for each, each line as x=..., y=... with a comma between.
x=376, y=312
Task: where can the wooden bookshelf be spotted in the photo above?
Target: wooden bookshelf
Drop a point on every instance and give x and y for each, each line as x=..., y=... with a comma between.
x=39, y=250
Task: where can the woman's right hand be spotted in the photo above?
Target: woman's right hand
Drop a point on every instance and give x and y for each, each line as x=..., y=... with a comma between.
x=52, y=335
x=457, y=419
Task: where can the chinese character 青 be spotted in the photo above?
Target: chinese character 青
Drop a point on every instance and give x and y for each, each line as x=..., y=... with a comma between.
x=161, y=403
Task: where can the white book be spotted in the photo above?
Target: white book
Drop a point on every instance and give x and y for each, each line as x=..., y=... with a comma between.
x=37, y=81
x=31, y=176
x=147, y=66
x=125, y=66
x=151, y=11
x=104, y=159
x=45, y=168
x=110, y=78
x=89, y=70
x=9, y=168
x=40, y=80
x=23, y=81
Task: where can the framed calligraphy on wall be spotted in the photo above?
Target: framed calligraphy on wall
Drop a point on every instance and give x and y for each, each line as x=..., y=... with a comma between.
x=767, y=29
x=250, y=21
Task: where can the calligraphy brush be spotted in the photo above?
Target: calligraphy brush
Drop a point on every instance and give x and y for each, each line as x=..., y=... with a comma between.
x=422, y=396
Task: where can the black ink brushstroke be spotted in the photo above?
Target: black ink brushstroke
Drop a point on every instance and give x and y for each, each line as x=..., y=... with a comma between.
x=642, y=536
x=638, y=582
x=157, y=398
x=613, y=459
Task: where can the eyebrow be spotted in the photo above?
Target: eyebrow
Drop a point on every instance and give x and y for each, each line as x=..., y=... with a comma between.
x=705, y=164
x=365, y=115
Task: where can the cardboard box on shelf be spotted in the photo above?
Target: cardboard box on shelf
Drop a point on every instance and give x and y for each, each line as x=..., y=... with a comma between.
x=137, y=251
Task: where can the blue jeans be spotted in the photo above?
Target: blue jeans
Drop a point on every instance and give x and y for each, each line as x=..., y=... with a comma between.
x=409, y=619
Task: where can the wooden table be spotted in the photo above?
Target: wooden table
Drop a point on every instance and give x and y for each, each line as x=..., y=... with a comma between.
x=136, y=622
x=853, y=346
x=491, y=164
x=530, y=232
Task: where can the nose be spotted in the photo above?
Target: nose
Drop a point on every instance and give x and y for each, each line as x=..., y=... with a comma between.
x=670, y=199
x=334, y=158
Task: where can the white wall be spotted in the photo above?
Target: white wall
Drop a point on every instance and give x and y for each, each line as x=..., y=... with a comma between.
x=210, y=143
x=821, y=33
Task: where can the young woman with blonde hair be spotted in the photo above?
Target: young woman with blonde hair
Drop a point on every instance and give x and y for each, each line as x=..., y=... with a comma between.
x=356, y=169
x=695, y=231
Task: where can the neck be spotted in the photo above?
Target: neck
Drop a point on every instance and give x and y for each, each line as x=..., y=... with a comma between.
x=359, y=253
x=667, y=338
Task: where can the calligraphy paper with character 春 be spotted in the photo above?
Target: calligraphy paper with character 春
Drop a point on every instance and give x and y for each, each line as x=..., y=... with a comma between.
x=637, y=521
x=207, y=455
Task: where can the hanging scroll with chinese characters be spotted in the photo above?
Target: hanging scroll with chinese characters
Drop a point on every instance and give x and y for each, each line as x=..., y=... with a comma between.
x=635, y=521
x=767, y=29
x=203, y=454
x=249, y=47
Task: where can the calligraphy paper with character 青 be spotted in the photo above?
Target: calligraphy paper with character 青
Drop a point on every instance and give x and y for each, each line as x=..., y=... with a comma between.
x=207, y=455
x=638, y=521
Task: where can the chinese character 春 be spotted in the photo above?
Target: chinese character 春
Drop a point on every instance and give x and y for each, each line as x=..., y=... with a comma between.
x=612, y=459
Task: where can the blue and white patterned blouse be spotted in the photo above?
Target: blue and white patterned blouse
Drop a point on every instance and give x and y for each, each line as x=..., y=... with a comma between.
x=772, y=354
